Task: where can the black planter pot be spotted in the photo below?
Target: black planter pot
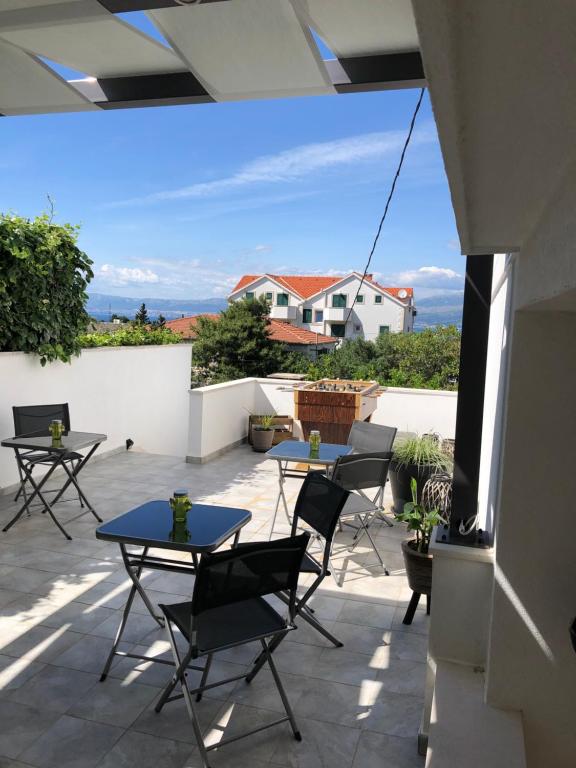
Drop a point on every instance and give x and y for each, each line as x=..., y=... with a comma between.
x=418, y=568
x=400, y=479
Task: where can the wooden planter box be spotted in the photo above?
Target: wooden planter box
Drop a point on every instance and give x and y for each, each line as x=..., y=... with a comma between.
x=283, y=428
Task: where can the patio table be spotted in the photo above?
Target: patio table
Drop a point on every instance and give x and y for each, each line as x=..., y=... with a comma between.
x=149, y=526
x=290, y=452
x=42, y=442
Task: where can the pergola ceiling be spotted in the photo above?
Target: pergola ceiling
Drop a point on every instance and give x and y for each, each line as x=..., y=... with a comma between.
x=215, y=50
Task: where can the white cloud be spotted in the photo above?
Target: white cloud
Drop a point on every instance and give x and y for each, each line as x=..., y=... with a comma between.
x=292, y=164
x=126, y=275
x=428, y=276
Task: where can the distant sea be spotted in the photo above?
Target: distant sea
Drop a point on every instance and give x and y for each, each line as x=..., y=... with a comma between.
x=443, y=310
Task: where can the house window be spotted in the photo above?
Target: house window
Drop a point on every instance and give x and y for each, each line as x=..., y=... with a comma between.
x=378, y=299
x=249, y=294
x=319, y=316
x=306, y=315
x=281, y=299
x=360, y=298
x=338, y=329
x=383, y=329
x=339, y=300
x=269, y=296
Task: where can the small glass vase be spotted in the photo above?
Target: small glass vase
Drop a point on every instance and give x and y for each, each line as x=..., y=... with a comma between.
x=180, y=505
x=180, y=533
x=56, y=429
x=314, y=441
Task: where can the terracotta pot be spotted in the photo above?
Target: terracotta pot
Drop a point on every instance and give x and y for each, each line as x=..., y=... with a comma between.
x=262, y=439
x=418, y=568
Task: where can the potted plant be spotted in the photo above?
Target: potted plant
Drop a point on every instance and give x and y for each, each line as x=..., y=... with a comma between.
x=415, y=458
x=263, y=432
x=417, y=559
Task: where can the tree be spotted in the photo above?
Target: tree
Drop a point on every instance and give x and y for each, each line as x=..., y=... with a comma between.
x=43, y=281
x=141, y=317
x=160, y=322
x=429, y=359
x=121, y=318
x=237, y=344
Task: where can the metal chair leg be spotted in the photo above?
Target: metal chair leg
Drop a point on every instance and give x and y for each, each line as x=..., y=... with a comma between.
x=281, y=691
x=204, y=676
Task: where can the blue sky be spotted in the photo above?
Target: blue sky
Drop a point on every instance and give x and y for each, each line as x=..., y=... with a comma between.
x=178, y=202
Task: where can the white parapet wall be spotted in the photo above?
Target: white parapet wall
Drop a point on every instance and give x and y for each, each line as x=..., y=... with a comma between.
x=137, y=393
x=219, y=413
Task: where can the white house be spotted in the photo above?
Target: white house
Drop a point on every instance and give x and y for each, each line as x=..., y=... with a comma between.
x=322, y=304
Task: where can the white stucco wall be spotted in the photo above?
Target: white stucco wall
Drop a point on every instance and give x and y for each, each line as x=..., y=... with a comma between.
x=531, y=665
x=219, y=413
x=139, y=393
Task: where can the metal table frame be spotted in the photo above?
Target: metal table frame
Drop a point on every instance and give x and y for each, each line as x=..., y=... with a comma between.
x=40, y=443
x=281, y=454
x=135, y=562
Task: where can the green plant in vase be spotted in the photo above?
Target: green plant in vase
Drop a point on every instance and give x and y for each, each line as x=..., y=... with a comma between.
x=419, y=520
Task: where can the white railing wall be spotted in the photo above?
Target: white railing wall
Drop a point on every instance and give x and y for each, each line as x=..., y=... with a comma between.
x=137, y=393
x=219, y=413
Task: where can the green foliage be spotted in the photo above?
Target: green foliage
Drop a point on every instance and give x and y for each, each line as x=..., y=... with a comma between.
x=141, y=317
x=265, y=421
x=426, y=360
x=122, y=318
x=419, y=520
x=43, y=280
x=130, y=337
x=422, y=451
x=238, y=345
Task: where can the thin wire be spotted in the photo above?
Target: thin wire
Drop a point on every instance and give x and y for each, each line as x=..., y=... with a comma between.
x=388, y=201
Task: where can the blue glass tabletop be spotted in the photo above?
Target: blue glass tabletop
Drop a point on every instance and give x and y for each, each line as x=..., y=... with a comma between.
x=150, y=525
x=42, y=441
x=299, y=451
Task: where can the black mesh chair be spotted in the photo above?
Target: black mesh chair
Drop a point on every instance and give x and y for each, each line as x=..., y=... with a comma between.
x=318, y=506
x=228, y=609
x=31, y=419
x=359, y=473
x=365, y=437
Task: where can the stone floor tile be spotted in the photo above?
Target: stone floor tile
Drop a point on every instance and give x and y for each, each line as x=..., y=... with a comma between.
x=21, y=726
x=323, y=745
x=173, y=721
x=15, y=672
x=55, y=688
x=234, y=719
x=376, y=750
x=145, y=751
x=115, y=702
x=72, y=743
x=394, y=714
x=367, y=614
x=359, y=639
x=88, y=654
x=399, y=676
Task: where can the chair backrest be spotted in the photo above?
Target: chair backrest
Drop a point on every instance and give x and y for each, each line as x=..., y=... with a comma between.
x=319, y=504
x=36, y=418
x=365, y=437
x=362, y=470
x=249, y=571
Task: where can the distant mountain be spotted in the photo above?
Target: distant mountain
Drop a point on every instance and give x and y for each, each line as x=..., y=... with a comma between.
x=439, y=310
x=102, y=305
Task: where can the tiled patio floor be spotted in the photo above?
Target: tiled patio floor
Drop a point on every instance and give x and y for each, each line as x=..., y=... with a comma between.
x=358, y=706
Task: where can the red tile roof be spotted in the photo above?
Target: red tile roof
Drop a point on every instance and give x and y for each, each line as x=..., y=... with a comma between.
x=309, y=285
x=278, y=330
x=186, y=325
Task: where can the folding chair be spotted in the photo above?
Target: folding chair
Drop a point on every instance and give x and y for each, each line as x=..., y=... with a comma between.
x=319, y=505
x=365, y=437
x=358, y=473
x=29, y=419
x=228, y=609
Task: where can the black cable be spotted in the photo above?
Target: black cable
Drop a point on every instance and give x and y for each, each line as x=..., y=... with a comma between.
x=388, y=201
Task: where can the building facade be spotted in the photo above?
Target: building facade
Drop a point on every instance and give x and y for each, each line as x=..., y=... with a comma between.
x=322, y=304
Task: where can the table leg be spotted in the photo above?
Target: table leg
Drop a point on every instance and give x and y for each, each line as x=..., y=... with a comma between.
x=38, y=492
x=136, y=587
x=72, y=480
x=281, y=496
